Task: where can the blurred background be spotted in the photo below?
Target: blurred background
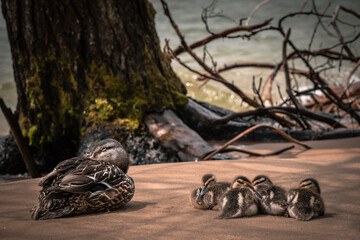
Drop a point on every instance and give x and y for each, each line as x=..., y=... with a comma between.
x=264, y=47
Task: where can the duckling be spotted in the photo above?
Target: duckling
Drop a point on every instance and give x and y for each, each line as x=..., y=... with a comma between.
x=240, y=200
x=273, y=198
x=305, y=202
x=209, y=195
x=91, y=183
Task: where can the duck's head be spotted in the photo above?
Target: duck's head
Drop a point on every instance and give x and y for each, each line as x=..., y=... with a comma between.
x=261, y=180
x=244, y=182
x=207, y=179
x=310, y=183
x=110, y=150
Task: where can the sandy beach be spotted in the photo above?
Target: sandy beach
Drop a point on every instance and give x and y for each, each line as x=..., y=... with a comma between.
x=161, y=209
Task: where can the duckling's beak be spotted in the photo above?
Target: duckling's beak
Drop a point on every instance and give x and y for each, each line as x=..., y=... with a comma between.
x=256, y=192
x=203, y=191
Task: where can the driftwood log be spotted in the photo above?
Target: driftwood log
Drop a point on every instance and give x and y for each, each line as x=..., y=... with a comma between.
x=201, y=117
x=173, y=133
x=184, y=136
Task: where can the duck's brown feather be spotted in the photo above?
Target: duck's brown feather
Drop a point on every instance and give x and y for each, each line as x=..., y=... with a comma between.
x=80, y=185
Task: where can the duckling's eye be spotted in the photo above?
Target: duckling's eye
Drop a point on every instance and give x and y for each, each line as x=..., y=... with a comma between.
x=305, y=184
x=241, y=182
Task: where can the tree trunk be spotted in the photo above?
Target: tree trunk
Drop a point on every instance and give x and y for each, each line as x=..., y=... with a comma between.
x=82, y=63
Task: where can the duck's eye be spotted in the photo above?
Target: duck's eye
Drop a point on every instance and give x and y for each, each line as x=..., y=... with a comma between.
x=104, y=149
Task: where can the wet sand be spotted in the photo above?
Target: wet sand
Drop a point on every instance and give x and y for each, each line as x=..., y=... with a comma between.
x=161, y=209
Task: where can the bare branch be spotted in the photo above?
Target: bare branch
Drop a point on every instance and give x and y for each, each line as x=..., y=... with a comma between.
x=20, y=141
x=327, y=53
x=287, y=78
x=285, y=110
x=255, y=10
x=319, y=17
x=251, y=153
x=298, y=115
x=249, y=131
x=256, y=90
x=276, y=68
x=223, y=34
x=215, y=75
x=209, y=12
x=310, y=13
x=303, y=6
x=322, y=85
x=340, y=7
x=337, y=30
x=280, y=94
x=213, y=62
x=356, y=37
x=319, y=23
x=171, y=53
x=351, y=73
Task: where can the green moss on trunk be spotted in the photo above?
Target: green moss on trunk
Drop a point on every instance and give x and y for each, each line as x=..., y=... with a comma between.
x=101, y=64
x=110, y=99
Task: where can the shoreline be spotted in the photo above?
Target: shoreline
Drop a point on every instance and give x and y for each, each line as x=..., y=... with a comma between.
x=161, y=209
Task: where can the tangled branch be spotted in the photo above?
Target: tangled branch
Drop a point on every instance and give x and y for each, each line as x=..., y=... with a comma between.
x=291, y=111
x=207, y=157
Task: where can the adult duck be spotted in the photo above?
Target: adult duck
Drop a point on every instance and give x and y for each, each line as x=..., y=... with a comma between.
x=93, y=183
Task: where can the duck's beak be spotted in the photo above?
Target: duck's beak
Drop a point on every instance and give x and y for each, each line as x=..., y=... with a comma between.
x=203, y=191
x=88, y=155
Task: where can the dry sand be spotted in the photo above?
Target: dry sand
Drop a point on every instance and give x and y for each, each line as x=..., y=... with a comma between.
x=161, y=209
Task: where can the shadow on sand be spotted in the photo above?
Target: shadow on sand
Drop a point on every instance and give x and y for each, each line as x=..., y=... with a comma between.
x=134, y=206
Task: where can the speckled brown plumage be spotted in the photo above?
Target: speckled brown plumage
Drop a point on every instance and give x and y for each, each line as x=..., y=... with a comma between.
x=305, y=202
x=85, y=184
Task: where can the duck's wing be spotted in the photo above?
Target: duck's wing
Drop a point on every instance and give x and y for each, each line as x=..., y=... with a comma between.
x=103, y=172
x=60, y=170
x=76, y=184
x=91, y=176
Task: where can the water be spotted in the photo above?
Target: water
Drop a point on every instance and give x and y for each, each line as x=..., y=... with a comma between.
x=265, y=47
x=4, y=178
x=7, y=84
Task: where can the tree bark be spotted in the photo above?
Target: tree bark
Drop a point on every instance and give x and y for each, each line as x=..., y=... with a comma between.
x=78, y=64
